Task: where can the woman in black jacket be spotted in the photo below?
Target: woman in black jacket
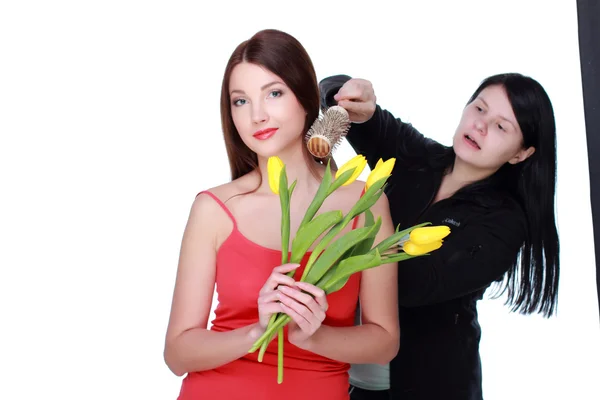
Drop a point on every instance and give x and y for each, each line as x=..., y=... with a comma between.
x=494, y=187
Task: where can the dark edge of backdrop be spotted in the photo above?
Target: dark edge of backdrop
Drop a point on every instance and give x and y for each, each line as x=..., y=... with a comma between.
x=588, y=18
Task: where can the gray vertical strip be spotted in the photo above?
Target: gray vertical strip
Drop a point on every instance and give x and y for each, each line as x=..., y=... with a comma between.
x=588, y=17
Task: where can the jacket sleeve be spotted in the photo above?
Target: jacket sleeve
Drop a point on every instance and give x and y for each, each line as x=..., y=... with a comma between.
x=470, y=259
x=383, y=136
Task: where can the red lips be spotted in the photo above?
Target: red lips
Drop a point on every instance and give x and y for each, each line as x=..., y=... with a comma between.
x=264, y=134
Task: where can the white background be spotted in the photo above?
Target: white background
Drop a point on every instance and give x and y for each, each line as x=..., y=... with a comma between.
x=109, y=122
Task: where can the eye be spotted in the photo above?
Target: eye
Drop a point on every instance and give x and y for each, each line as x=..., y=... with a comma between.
x=239, y=102
x=501, y=128
x=275, y=93
x=479, y=109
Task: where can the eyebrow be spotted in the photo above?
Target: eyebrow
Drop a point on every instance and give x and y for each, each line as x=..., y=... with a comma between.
x=504, y=118
x=263, y=87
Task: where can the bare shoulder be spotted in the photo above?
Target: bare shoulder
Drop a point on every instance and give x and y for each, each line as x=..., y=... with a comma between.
x=238, y=186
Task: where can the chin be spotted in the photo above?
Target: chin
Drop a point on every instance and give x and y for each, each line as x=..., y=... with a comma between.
x=462, y=152
x=266, y=151
x=467, y=156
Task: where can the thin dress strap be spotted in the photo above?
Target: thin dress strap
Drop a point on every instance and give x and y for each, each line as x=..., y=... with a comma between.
x=223, y=206
x=354, y=222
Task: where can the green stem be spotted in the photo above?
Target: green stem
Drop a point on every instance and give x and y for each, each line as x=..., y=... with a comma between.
x=280, y=356
x=392, y=240
x=280, y=322
x=263, y=347
x=319, y=197
x=285, y=196
x=265, y=343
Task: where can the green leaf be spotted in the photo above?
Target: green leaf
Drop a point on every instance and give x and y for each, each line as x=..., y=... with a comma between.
x=369, y=218
x=331, y=271
x=340, y=180
x=335, y=251
x=291, y=190
x=319, y=198
x=400, y=257
x=325, y=278
x=368, y=199
x=284, y=199
x=365, y=245
x=363, y=204
x=333, y=232
x=350, y=266
x=310, y=232
x=335, y=285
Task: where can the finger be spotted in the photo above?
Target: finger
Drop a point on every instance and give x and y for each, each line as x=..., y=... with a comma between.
x=306, y=300
x=271, y=308
x=355, y=89
x=268, y=297
x=277, y=278
x=297, y=318
x=274, y=281
x=285, y=268
x=318, y=294
x=303, y=304
x=348, y=93
x=352, y=89
x=357, y=107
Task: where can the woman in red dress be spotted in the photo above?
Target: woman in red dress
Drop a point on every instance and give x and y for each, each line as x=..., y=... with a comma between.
x=269, y=100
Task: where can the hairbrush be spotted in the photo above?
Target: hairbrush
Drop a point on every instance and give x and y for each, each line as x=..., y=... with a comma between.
x=327, y=132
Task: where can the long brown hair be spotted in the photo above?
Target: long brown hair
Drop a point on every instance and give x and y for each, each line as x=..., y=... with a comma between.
x=284, y=56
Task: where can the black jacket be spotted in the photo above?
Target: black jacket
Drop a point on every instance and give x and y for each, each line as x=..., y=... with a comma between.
x=438, y=293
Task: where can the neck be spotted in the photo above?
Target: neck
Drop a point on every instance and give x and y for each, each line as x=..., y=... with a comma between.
x=296, y=167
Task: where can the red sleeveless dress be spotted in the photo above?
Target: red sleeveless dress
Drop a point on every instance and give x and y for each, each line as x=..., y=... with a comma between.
x=242, y=269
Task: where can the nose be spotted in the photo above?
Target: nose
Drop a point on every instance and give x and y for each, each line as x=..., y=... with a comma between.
x=259, y=114
x=481, y=126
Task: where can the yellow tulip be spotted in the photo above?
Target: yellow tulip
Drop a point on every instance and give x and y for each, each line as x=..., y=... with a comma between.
x=274, y=167
x=428, y=234
x=413, y=249
x=358, y=162
x=381, y=170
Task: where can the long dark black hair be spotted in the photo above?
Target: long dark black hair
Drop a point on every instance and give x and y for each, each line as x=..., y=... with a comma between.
x=532, y=283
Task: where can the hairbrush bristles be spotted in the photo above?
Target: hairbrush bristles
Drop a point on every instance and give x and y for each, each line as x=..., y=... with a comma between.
x=327, y=132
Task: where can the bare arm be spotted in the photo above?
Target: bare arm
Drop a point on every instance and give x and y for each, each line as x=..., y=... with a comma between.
x=377, y=340
x=189, y=346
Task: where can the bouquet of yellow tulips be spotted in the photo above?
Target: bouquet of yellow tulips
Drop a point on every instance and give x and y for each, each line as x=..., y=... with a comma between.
x=333, y=262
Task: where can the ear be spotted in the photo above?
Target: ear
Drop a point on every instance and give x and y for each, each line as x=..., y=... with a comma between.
x=522, y=155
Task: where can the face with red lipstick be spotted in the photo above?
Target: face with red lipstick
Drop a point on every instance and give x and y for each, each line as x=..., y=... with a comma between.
x=265, y=112
x=488, y=135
